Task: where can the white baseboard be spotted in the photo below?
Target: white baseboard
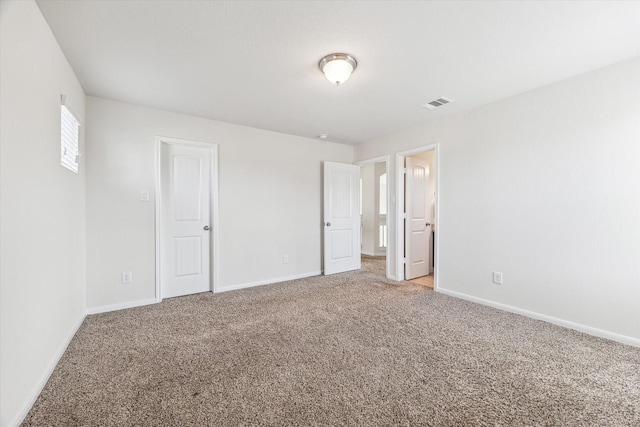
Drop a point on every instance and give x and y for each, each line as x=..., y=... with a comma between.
x=37, y=389
x=554, y=320
x=114, y=307
x=373, y=253
x=268, y=282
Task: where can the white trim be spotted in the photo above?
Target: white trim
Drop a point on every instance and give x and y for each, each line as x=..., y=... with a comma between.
x=121, y=306
x=37, y=389
x=269, y=281
x=158, y=164
x=400, y=212
x=399, y=217
x=214, y=263
x=635, y=342
x=437, y=234
x=387, y=253
x=378, y=159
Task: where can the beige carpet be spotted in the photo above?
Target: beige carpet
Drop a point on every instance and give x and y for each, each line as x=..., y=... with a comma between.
x=349, y=349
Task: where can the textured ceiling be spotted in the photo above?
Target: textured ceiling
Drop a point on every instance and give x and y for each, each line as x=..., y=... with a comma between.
x=255, y=63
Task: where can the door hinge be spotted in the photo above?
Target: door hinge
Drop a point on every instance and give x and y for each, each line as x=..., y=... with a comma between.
x=404, y=260
x=404, y=170
x=404, y=215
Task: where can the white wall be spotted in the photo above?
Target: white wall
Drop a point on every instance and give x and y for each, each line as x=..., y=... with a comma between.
x=270, y=201
x=42, y=277
x=543, y=187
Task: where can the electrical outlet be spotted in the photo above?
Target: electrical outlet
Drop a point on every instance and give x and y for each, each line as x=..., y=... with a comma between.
x=285, y=259
x=144, y=195
x=127, y=277
x=497, y=278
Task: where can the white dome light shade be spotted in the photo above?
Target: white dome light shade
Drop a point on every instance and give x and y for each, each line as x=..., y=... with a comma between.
x=338, y=67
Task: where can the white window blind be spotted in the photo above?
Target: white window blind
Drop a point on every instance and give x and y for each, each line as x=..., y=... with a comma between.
x=69, y=151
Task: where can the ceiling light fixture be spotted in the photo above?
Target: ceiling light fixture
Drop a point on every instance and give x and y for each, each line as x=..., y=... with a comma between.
x=337, y=67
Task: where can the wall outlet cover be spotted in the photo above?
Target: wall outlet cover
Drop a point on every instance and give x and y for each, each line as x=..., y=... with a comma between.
x=127, y=277
x=497, y=278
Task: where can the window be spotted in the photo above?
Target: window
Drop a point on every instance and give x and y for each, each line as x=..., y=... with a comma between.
x=382, y=203
x=382, y=211
x=69, y=151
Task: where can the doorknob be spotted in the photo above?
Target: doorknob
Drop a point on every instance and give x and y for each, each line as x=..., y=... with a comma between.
x=427, y=224
x=207, y=228
x=328, y=224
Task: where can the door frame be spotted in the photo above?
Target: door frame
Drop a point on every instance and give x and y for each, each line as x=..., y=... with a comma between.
x=400, y=212
x=213, y=209
x=387, y=160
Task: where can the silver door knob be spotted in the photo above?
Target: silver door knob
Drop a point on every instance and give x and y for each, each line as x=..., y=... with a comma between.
x=207, y=228
x=328, y=224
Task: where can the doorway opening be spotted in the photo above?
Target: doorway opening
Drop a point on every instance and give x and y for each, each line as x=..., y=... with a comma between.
x=374, y=214
x=417, y=218
x=186, y=217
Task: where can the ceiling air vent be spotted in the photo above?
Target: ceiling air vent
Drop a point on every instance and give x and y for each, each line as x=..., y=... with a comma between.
x=437, y=103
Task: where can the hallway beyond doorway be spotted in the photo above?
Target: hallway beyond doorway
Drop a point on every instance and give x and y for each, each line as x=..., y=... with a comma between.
x=426, y=281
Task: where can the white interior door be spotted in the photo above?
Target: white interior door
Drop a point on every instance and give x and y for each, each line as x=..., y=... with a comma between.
x=341, y=217
x=417, y=224
x=186, y=222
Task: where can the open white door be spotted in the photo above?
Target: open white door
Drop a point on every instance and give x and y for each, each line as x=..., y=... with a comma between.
x=341, y=217
x=186, y=219
x=417, y=224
